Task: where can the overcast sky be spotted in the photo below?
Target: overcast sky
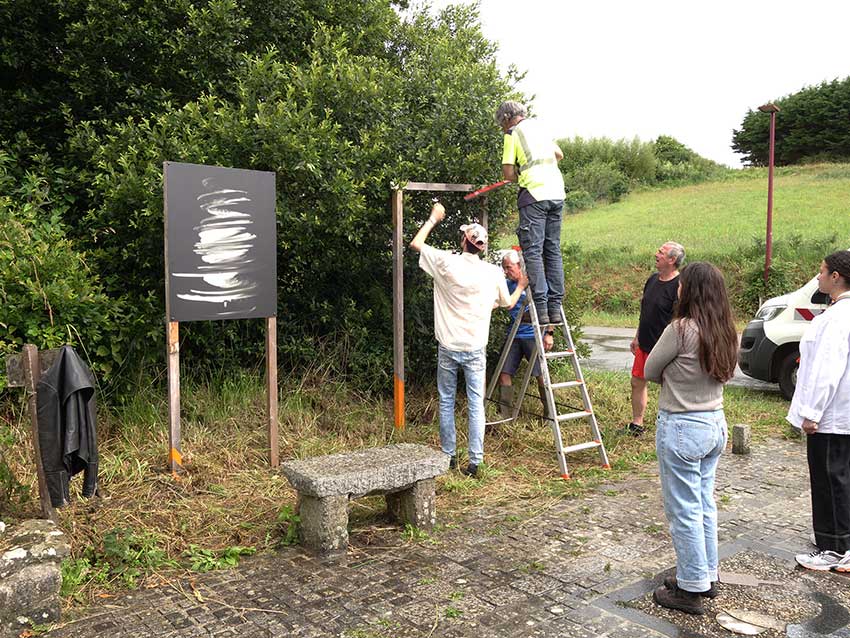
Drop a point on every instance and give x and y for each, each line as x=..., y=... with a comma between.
x=626, y=68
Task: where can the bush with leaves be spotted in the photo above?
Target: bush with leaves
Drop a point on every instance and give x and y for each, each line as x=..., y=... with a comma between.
x=677, y=164
x=48, y=294
x=601, y=180
x=338, y=128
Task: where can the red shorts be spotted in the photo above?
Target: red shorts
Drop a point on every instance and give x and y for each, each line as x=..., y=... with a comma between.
x=640, y=361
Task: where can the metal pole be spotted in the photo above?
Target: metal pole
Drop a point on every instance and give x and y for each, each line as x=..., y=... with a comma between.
x=769, y=238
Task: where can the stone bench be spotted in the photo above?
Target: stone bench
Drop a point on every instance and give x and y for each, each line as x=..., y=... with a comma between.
x=404, y=472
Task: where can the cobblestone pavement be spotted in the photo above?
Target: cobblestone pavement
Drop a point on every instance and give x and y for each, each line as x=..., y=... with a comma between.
x=509, y=572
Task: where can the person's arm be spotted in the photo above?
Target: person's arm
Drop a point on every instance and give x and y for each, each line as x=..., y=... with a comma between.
x=509, y=172
x=559, y=154
x=507, y=299
x=662, y=354
x=438, y=214
x=818, y=381
x=521, y=284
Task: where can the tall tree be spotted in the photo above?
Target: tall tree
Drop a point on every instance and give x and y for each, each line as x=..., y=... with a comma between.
x=813, y=125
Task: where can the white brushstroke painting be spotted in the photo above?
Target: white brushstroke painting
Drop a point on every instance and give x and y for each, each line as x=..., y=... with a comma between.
x=224, y=245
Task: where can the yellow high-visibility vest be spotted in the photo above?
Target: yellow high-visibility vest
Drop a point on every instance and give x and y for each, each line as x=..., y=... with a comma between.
x=532, y=151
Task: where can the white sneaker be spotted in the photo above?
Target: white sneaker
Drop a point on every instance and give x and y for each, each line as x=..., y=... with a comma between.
x=825, y=561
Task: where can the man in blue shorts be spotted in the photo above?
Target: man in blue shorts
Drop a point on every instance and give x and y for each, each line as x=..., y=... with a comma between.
x=523, y=343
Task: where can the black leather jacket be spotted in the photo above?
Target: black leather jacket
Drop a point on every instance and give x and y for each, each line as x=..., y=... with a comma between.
x=67, y=425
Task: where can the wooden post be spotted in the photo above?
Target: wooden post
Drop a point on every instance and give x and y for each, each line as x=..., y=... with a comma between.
x=271, y=388
x=398, y=309
x=175, y=457
x=32, y=372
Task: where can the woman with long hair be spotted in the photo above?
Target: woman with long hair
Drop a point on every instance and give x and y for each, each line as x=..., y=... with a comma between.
x=694, y=357
x=821, y=408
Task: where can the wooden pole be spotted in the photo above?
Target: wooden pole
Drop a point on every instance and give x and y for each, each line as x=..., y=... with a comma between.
x=175, y=457
x=398, y=310
x=271, y=389
x=32, y=372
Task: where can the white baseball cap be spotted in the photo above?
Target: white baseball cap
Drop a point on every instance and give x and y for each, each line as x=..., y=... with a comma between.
x=476, y=234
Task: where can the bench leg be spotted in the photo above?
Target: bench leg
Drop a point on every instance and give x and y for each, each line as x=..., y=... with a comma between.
x=324, y=522
x=416, y=505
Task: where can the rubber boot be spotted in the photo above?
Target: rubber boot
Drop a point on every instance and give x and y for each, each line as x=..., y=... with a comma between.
x=506, y=401
x=547, y=414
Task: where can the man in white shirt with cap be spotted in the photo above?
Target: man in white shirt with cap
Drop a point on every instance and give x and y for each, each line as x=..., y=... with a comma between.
x=466, y=289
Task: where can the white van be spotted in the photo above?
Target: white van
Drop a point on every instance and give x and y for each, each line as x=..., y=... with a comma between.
x=770, y=344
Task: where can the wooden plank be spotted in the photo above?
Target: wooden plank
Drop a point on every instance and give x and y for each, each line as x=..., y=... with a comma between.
x=30, y=365
x=398, y=309
x=429, y=186
x=15, y=377
x=271, y=389
x=175, y=456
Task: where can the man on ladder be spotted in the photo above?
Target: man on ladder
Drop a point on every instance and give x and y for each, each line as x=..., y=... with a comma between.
x=530, y=157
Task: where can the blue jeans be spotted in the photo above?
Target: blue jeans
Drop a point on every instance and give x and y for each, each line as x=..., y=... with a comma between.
x=688, y=445
x=474, y=366
x=539, y=234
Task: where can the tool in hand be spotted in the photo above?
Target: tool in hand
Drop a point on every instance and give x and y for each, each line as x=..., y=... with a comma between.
x=484, y=189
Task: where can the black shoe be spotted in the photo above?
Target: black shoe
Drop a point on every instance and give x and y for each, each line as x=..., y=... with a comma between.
x=471, y=470
x=543, y=318
x=555, y=314
x=671, y=583
x=686, y=601
x=453, y=462
x=635, y=429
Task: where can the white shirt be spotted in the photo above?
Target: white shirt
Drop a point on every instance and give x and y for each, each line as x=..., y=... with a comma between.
x=465, y=289
x=822, y=394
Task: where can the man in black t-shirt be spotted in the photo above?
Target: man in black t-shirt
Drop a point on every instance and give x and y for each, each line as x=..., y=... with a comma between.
x=656, y=310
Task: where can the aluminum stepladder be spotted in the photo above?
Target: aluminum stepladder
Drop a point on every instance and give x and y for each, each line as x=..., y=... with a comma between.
x=549, y=388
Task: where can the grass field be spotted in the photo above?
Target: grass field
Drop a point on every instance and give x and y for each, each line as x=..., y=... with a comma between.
x=722, y=222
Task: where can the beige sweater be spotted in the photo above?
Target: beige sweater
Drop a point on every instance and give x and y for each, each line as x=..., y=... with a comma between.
x=674, y=363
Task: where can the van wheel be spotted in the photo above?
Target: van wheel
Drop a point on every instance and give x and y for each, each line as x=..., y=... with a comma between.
x=788, y=374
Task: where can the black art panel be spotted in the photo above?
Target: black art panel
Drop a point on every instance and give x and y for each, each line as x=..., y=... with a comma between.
x=220, y=243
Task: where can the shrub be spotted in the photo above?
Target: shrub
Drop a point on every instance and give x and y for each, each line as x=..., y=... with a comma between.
x=601, y=180
x=339, y=129
x=577, y=200
x=634, y=159
x=48, y=294
x=755, y=290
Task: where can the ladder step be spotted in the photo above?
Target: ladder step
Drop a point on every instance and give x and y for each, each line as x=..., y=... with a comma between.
x=574, y=415
x=559, y=355
x=582, y=446
x=567, y=384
